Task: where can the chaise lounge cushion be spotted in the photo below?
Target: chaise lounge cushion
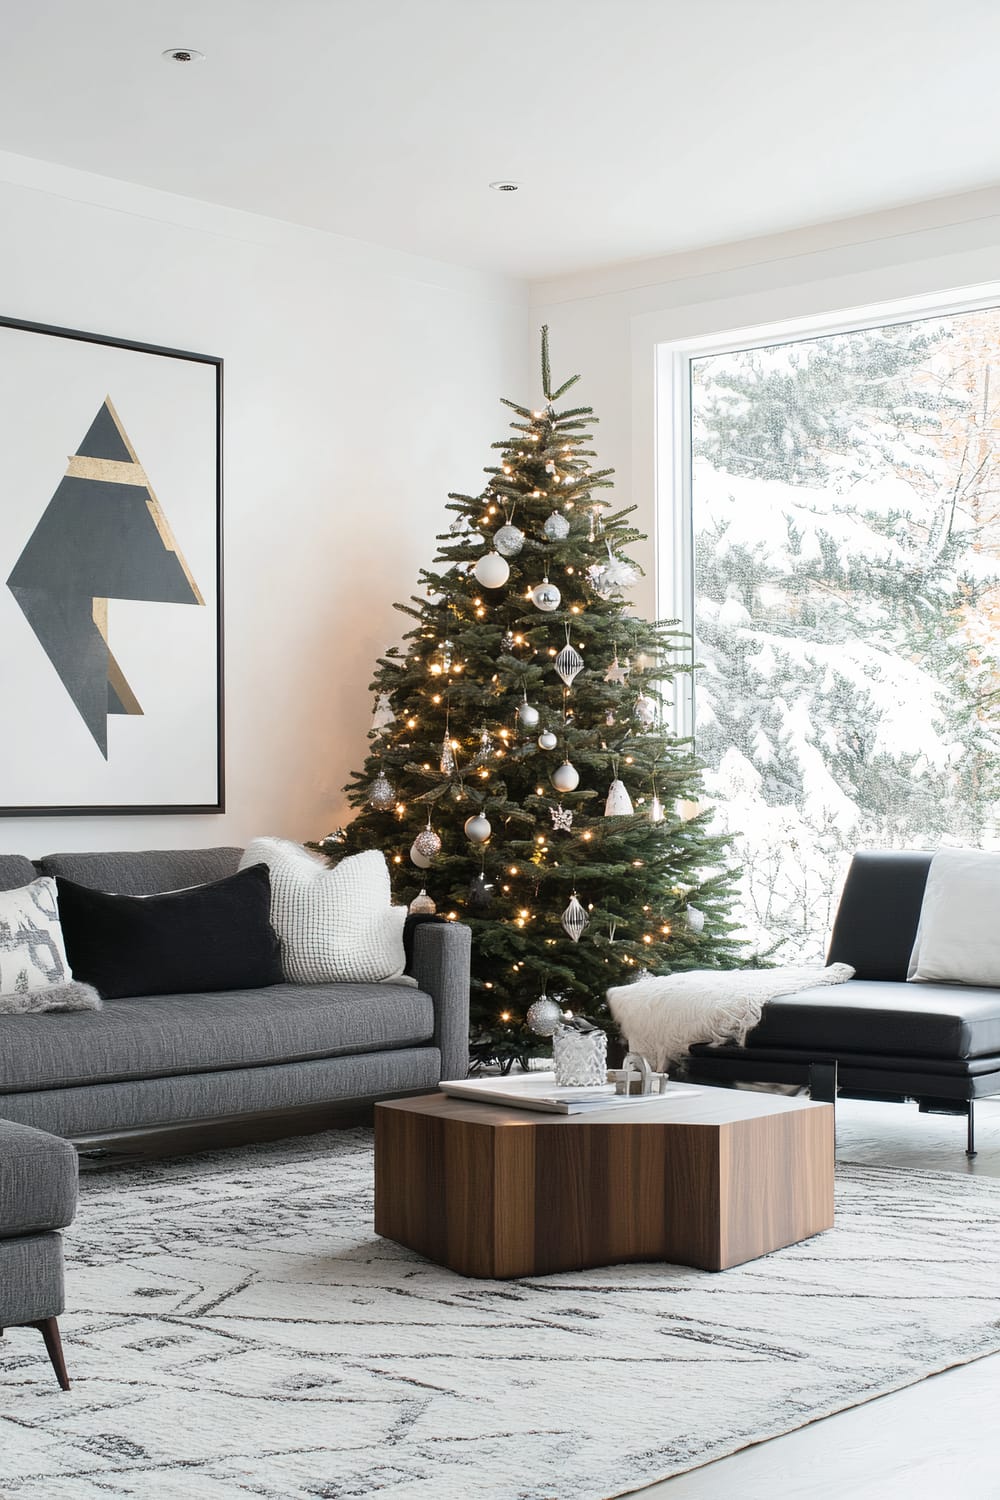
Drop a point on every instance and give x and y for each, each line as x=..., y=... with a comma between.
x=162, y=1035
x=38, y=1175
x=872, y=1016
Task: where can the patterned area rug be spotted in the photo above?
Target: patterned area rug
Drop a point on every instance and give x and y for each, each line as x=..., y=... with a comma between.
x=236, y=1329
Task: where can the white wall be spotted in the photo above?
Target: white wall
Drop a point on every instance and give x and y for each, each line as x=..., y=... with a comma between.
x=608, y=324
x=361, y=386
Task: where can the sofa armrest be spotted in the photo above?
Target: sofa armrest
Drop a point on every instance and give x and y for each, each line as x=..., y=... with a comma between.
x=441, y=968
x=38, y=1181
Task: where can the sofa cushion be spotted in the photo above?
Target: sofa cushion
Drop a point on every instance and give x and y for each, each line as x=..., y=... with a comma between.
x=872, y=1016
x=174, y=1034
x=211, y=937
x=879, y=911
x=336, y=926
x=32, y=950
x=15, y=871
x=144, y=872
x=37, y=1181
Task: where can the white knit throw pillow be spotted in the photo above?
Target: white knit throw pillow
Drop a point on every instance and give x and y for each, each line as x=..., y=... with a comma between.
x=337, y=925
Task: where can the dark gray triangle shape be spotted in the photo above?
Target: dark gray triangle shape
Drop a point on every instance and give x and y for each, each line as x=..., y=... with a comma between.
x=103, y=439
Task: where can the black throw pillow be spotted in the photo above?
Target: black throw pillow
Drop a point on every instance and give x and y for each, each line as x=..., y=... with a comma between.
x=211, y=937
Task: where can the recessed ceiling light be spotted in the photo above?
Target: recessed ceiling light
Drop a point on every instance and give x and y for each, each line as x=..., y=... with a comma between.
x=505, y=186
x=183, y=55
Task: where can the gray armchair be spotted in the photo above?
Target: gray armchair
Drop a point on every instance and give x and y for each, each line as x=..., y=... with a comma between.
x=38, y=1186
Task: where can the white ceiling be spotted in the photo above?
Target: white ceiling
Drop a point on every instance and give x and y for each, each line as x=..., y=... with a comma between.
x=637, y=127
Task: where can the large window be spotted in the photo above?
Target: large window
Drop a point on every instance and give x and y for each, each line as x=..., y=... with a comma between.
x=844, y=504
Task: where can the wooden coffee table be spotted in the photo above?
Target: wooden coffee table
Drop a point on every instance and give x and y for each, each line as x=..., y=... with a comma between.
x=709, y=1179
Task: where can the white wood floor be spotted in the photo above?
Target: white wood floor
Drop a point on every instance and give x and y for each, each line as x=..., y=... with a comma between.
x=932, y=1441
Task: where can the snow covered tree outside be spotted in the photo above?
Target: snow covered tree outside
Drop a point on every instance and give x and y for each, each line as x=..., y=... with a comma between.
x=846, y=517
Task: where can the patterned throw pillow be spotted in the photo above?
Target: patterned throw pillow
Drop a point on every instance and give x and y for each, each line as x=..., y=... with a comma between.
x=34, y=971
x=335, y=926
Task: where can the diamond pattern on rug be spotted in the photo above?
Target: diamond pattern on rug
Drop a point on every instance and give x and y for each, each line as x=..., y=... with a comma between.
x=235, y=1328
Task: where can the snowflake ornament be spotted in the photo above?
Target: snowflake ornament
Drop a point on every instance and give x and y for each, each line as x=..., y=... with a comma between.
x=562, y=819
x=612, y=577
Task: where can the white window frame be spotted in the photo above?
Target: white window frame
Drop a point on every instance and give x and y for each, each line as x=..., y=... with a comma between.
x=673, y=507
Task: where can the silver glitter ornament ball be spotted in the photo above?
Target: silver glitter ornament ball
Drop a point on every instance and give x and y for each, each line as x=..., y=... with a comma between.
x=423, y=905
x=509, y=540
x=544, y=1016
x=381, y=795
x=556, y=528
x=427, y=843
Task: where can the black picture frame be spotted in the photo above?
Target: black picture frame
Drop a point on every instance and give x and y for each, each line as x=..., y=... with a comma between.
x=217, y=802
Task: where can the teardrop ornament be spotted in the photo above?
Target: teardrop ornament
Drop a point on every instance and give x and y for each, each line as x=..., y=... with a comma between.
x=569, y=664
x=575, y=919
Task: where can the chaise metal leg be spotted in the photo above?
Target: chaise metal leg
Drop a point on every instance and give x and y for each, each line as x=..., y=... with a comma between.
x=970, y=1148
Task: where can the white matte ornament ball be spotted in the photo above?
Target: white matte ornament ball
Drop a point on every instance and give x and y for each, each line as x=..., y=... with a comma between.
x=556, y=527
x=545, y=596
x=478, y=828
x=565, y=778
x=547, y=740
x=492, y=571
x=509, y=540
x=528, y=716
x=420, y=860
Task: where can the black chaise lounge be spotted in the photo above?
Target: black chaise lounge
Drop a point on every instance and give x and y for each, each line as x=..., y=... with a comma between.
x=875, y=1037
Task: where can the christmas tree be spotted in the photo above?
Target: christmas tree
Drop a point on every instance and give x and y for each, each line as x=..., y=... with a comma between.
x=520, y=774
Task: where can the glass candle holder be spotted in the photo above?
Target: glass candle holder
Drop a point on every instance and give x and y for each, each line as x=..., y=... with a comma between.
x=580, y=1058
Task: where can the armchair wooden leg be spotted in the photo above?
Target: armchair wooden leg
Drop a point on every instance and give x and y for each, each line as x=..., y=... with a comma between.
x=49, y=1329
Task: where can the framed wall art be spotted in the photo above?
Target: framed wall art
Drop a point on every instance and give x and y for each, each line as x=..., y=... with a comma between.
x=110, y=575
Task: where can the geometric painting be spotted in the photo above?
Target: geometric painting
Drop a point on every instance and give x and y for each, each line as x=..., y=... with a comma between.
x=102, y=536
x=111, y=685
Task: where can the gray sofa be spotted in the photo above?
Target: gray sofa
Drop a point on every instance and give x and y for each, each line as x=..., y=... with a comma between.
x=37, y=1198
x=197, y=1059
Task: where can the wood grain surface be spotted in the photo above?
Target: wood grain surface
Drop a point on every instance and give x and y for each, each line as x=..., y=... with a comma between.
x=706, y=1180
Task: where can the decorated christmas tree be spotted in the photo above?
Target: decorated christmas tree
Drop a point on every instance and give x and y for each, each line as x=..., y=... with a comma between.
x=521, y=776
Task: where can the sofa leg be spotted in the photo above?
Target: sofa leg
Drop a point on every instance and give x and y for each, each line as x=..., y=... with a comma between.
x=49, y=1329
x=970, y=1147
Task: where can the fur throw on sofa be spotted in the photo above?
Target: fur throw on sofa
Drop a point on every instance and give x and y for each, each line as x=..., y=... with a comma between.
x=68, y=996
x=664, y=1016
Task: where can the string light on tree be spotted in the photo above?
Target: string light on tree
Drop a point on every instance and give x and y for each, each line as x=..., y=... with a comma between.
x=503, y=726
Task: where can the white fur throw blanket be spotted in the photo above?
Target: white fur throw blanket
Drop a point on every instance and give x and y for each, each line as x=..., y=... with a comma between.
x=663, y=1017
